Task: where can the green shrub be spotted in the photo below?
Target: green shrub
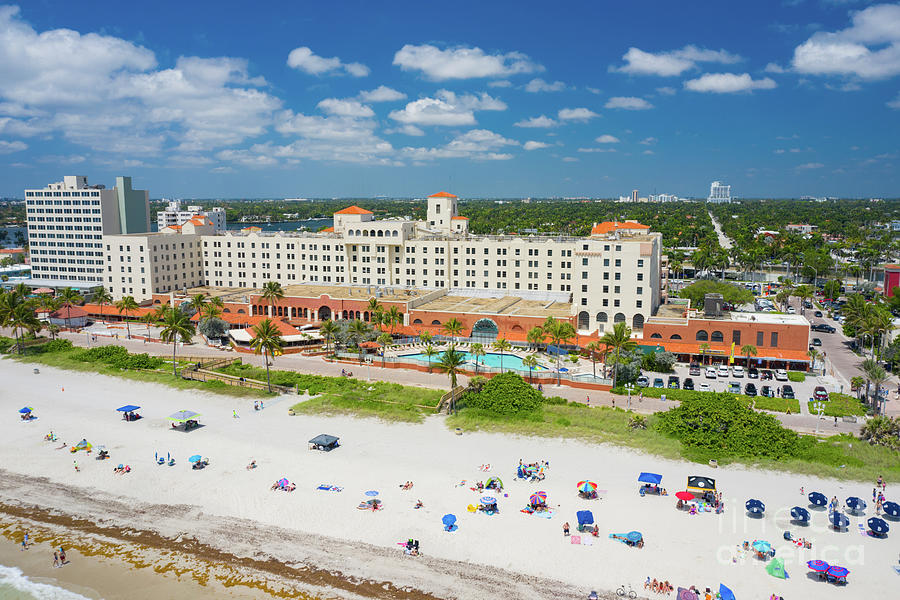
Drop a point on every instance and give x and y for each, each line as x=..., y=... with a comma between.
x=59, y=345
x=6, y=344
x=103, y=354
x=841, y=405
x=556, y=400
x=506, y=393
x=796, y=376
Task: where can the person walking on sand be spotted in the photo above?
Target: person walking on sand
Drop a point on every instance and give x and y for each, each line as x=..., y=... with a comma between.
x=56, y=559
x=566, y=528
x=62, y=556
x=25, y=541
x=75, y=462
x=234, y=414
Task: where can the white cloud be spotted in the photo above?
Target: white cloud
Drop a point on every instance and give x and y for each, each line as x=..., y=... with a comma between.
x=539, y=85
x=648, y=152
x=382, y=94
x=447, y=108
x=868, y=49
x=666, y=91
x=648, y=141
x=247, y=158
x=10, y=147
x=345, y=108
x=895, y=103
x=576, y=114
x=607, y=139
x=542, y=121
x=532, y=145
x=593, y=90
x=774, y=68
x=476, y=144
x=592, y=150
x=304, y=59
x=669, y=64
x=406, y=130
x=728, y=83
x=809, y=166
x=570, y=159
x=628, y=103
x=779, y=151
x=503, y=83
x=462, y=62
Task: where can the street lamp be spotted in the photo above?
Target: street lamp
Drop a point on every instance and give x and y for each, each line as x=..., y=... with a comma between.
x=819, y=408
x=629, y=387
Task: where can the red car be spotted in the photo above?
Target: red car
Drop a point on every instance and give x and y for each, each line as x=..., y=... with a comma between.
x=820, y=394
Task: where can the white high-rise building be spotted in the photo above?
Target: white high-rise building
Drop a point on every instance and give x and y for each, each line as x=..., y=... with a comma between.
x=176, y=215
x=66, y=224
x=719, y=193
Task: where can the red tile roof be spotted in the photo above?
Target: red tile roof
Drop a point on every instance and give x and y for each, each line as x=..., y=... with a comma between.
x=354, y=210
x=110, y=310
x=611, y=226
x=252, y=228
x=69, y=312
x=459, y=218
x=328, y=230
x=200, y=220
x=442, y=195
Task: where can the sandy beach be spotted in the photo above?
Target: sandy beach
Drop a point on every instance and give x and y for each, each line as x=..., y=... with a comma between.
x=317, y=541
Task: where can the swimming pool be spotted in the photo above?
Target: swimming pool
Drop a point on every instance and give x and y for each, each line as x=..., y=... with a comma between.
x=510, y=361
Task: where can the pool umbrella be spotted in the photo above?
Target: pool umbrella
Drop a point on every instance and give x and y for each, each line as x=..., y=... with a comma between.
x=725, y=593
x=856, y=504
x=818, y=499
x=837, y=571
x=755, y=506
x=891, y=509
x=538, y=498
x=587, y=487
x=25, y=410
x=686, y=496
x=878, y=526
x=762, y=546
x=776, y=568
x=448, y=520
x=819, y=566
x=798, y=513
x=839, y=520
x=194, y=458
x=371, y=493
x=488, y=500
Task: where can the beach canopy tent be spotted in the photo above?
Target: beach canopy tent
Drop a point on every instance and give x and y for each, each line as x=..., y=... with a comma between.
x=128, y=408
x=798, y=513
x=725, y=593
x=493, y=483
x=856, y=504
x=776, y=568
x=323, y=441
x=651, y=478
x=700, y=485
x=183, y=416
x=818, y=499
x=878, y=526
x=839, y=520
x=585, y=517
x=892, y=509
x=755, y=506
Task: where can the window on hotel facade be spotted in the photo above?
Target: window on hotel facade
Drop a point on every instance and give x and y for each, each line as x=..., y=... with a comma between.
x=774, y=339
x=736, y=336
x=702, y=336
x=717, y=336
x=759, y=338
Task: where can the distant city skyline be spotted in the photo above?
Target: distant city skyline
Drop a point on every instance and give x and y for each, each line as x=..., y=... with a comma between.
x=350, y=99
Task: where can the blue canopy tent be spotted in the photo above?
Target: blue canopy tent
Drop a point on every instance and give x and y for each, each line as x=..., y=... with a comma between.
x=878, y=526
x=725, y=592
x=891, y=509
x=856, y=504
x=128, y=408
x=800, y=514
x=839, y=520
x=755, y=507
x=818, y=499
x=585, y=518
x=651, y=478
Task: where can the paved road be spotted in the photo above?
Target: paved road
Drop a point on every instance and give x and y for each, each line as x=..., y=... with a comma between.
x=723, y=239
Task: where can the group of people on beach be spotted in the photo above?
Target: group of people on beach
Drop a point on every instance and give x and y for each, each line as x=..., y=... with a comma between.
x=658, y=586
x=406, y=486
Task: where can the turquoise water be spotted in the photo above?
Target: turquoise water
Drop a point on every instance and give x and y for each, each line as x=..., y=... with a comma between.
x=16, y=586
x=510, y=361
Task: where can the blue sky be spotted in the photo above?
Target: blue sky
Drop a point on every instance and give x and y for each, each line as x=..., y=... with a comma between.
x=355, y=98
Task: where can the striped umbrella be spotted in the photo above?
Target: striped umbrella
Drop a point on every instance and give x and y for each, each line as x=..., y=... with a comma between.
x=587, y=487
x=820, y=566
x=835, y=571
x=538, y=498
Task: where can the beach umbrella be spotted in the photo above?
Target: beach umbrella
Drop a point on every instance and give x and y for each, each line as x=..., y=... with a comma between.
x=650, y=478
x=686, y=496
x=839, y=520
x=798, y=513
x=488, y=500
x=878, y=526
x=725, y=593
x=82, y=445
x=836, y=571
x=856, y=504
x=371, y=493
x=283, y=482
x=818, y=499
x=373, y=502
x=25, y=410
x=755, y=506
x=538, y=498
x=891, y=509
x=634, y=536
x=587, y=487
x=819, y=566
x=448, y=520
x=194, y=458
x=762, y=546
x=183, y=415
x=775, y=568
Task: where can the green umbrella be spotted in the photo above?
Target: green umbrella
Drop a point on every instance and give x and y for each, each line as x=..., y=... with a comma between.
x=775, y=568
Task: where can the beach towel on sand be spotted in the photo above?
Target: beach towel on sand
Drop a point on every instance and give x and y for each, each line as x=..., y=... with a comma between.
x=576, y=539
x=587, y=541
x=329, y=488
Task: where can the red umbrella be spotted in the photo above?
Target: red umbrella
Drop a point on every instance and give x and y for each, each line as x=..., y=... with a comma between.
x=686, y=496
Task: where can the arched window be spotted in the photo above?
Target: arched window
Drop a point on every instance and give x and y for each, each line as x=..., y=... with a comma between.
x=435, y=322
x=485, y=329
x=674, y=336
x=358, y=233
x=702, y=336
x=619, y=318
x=637, y=322
x=380, y=233
x=351, y=233
x=324, y=313
x=226, y=309
x=365, y=233
x=602, y=318
x=394, y=233
x=344, y=315
x=717, y=337
x=417, y=322
x=241, y=311
x=366, y=316
x=655, y=336
x=584, y=320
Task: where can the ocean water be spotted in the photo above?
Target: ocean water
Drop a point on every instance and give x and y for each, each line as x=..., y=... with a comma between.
x=16, y=586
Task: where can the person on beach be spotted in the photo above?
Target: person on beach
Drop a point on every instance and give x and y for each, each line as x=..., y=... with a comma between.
x=62, y=556
x=234, y=414
x=25, y=542
x=565, y=529
x=75, y=462
x=56, y=559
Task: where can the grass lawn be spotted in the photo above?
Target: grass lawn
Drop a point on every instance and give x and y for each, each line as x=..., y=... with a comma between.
x=774, y=404
x=841, y=405
x=796, y=376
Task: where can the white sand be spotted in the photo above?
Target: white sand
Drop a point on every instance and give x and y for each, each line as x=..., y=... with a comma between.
x=684, y=549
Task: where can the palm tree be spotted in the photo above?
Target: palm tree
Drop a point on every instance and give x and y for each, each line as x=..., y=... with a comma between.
x=429, y=352
x=876, y=375
x=267, y=339
x=68, y=296
x=212, y=308
x=535, y=336
x=23, y=318
x=453, y=328
x=385, y=339
x=619, y=340
x=813, y=356
x=477, y=350
x=272, y=292
x=374, y=306
x=101, y=297
x=704, y=348
x=559, y=332
x=175, y=326
x=197, y=303
x=856, y=384
x=358, y=330
x=425, y=337
x=531, y=362
x=502, y=346
x=328, y=329
x=9, y=302
x=53, y=329
x=393, y=317
x=149, y=319
x=450, y=363
x=594, y=348
x=748, y=350
x=127, y=305
x=22, y=290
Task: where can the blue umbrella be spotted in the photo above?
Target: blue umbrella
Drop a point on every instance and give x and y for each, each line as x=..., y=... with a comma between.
x=799, y=513
x=755, y=506
x=818, y=499
x=585, y=517
x=818, y=565
x=839, y=520
x=448, y=520
x=878, y=526
x=837, y=571
x=650, y=478
x=634, y=536
x=891, y=509
x=194, y=458
x=725, y=593
x=762, y=546
x=488, y=500
x=25, y=410
x=371, y=493
x=856, y=504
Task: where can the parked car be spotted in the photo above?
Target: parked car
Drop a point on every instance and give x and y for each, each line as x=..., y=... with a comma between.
x=658, y=382
x=737, y=371
x=674, y=382
x=688, y=384
x=734, y=387
x=787, y=392
x=750, y=389
x=704, y=387
x=818, y=313
x=816, y=342
x=710, y=372
x=781, y=375
x=753, y=373
x=766, y=375
x=694, y=370
x=643, y=381
x=791, y=310
x=723, y=371
x=820, y=394
x=807, y=304
x=767, y=391
x=823, y=327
